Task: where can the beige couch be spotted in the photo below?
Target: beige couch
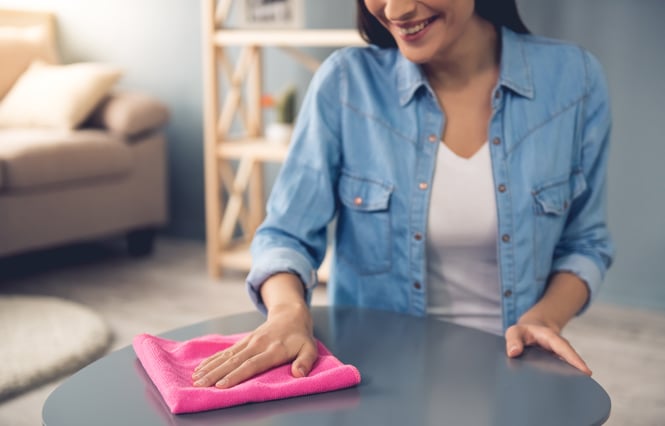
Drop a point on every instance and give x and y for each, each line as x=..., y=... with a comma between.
x=106, y=177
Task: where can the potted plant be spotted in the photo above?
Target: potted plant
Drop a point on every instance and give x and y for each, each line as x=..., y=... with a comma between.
x=281, y=129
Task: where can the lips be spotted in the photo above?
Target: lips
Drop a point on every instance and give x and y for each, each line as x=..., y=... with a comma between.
x=413, y=28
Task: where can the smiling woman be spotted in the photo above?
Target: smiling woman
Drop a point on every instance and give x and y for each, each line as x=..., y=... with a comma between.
x=466, y=175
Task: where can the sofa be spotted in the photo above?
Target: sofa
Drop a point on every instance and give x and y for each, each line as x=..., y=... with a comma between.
x=102, y=174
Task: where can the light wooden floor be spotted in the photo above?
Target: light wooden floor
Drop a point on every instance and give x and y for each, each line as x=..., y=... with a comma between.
x=624, y=347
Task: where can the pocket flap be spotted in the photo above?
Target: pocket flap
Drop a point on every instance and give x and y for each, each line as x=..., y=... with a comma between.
x=364, y=194
x=556, y=198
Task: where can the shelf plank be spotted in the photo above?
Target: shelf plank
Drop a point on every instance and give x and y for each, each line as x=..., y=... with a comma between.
x=256, y=148
x=303, y=38
x=238, y=258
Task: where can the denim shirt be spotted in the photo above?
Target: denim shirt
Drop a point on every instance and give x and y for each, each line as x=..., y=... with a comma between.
x=363, y=155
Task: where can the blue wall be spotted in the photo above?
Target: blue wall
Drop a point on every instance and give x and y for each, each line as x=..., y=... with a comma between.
x=158, y=42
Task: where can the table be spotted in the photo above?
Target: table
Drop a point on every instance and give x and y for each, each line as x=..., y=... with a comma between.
x=415, y=371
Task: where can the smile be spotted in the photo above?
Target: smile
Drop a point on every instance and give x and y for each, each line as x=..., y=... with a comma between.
x=413, y=29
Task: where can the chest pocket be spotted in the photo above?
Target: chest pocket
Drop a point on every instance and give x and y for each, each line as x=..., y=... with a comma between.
x=363, y=226
x=552, y=203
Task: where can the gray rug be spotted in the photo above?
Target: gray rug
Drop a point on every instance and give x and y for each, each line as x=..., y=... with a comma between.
x=43, y=338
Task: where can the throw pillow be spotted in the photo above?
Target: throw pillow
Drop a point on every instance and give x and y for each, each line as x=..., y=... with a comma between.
x=19, y=46
x=56, y=96
x=129, y=113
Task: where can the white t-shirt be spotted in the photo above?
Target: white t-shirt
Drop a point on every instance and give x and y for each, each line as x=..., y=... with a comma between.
x=463, y=283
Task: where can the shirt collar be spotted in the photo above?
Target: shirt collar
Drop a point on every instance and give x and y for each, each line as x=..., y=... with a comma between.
x=515, y=73
x=410, y=77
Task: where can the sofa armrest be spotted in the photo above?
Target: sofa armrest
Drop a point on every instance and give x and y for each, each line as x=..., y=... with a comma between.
x=129, y=113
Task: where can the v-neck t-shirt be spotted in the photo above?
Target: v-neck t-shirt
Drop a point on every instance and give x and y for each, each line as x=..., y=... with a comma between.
x=463, y=278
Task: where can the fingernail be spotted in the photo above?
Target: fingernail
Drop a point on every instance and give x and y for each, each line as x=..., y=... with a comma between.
x=221, y=383
x=302, y=372
x=197, y=375
x=513, y=350
x=199, y=383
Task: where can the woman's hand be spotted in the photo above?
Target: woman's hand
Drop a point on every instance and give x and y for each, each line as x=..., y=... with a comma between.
x=287, y=335
x=532, y=331
x=541, y=325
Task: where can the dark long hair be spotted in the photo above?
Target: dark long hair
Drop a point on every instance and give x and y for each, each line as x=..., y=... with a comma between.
x=501, y=13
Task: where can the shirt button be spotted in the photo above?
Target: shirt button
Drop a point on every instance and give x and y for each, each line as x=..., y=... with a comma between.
x=432, y=138
x=505, y=238
x=496, y=141
x=417, y=285
x=502, y=188
x=497, y=94
x=423, y=185
x=418, y=236
x=507, y=293
x=357, y=201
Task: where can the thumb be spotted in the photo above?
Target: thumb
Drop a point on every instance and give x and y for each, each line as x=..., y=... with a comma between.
x=514, y=341
x=305, y=359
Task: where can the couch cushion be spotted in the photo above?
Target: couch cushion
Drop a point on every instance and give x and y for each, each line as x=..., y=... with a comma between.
x=56, y=96
x=35, y=158
x=129, y=113
x=19, y=46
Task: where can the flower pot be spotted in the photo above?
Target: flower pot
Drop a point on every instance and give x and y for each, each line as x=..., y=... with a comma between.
x=279, y=133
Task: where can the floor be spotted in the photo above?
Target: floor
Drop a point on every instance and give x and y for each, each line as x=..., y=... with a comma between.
x=624, y=347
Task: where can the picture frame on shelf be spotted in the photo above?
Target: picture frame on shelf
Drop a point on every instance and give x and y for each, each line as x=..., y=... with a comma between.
x=271, y=14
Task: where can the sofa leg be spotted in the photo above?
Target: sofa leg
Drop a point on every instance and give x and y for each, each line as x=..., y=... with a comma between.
x=140, y=242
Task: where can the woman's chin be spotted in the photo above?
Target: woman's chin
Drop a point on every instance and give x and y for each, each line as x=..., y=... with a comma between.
x=419, y=58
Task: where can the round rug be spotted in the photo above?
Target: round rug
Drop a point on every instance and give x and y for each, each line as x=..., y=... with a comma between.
x=42, y=338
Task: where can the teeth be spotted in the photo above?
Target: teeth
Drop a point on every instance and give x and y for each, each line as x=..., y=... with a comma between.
x=414, y=29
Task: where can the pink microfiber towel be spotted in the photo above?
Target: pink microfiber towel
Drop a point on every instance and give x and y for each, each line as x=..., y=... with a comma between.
x=170, y=365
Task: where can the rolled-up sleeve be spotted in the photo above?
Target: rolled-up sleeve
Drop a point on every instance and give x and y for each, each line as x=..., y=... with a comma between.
x=278, y=260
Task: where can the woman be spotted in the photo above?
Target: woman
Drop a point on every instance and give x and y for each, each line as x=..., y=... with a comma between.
x=465, y=163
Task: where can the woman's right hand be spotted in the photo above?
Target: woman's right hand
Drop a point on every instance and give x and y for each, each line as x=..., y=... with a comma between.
x=286, y=335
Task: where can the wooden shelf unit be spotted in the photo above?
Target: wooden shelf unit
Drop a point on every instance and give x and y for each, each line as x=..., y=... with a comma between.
x=235, y=197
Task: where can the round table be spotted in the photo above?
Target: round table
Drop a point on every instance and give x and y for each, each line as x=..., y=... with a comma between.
x=415, y=371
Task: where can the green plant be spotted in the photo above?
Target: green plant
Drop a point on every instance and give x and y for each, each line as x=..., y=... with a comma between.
x=285, y=107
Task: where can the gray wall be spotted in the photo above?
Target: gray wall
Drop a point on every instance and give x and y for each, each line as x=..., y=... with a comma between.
x=157, y=42
x=627, y=37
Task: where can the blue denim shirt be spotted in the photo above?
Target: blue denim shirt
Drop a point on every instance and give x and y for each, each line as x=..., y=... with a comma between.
x=366, y=139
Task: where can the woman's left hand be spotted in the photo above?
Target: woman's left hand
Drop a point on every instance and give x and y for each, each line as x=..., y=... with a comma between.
x=529, y=332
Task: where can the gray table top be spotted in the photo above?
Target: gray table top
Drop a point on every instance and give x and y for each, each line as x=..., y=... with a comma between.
x=415, y=371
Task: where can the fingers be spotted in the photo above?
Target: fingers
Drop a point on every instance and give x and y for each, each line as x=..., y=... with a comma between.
x=305, y=360
x=227, y=370
x=285, y=336
x=514, y=341
x=227, y=353
x=562, y=347
x=249, y=368
x=219, y=367
x=234, y=365
x=518, y=336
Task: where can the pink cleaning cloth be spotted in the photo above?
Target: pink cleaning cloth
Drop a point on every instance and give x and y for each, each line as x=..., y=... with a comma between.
x=170, y=365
